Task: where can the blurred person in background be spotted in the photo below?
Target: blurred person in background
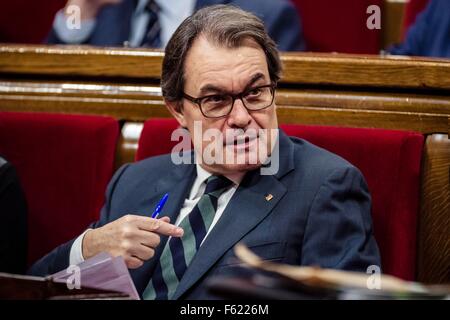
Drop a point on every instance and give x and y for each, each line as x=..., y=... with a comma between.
x=150, y=23
x=429, y=36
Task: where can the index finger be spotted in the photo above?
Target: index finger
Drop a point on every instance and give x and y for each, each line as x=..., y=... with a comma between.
x=160, y=226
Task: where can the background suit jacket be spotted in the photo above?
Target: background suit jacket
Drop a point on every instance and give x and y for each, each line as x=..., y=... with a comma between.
x=280, y=18
x=319, y=215
x=429, y=35
x=13, y=225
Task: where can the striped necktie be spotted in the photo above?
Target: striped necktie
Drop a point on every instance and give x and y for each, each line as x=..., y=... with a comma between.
x=179, y=252
x=153, y=35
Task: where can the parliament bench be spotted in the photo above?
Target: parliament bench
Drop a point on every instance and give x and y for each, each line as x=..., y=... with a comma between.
x=349, y=91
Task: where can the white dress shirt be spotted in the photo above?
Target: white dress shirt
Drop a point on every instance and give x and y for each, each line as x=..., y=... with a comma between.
x=197, y=190
x=171, y=14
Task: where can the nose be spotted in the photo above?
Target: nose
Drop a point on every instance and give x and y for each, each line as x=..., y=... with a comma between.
x=239, y=116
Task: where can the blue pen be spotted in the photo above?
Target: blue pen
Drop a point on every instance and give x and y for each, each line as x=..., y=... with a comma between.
x=160, y=205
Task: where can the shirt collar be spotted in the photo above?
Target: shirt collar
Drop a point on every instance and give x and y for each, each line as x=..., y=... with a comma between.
x=202, y=175
x=164, y=5
x=140, y=7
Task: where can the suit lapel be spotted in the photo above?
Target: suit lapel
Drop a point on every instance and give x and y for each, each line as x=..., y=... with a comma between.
x=247, y=208
x=178, y=189
x=178, y=185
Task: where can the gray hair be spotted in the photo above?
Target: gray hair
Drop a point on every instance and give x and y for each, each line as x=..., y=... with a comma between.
x=223, y=25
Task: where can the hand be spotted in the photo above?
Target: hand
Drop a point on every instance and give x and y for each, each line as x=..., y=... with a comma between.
x=90, y=8
x=135, y=238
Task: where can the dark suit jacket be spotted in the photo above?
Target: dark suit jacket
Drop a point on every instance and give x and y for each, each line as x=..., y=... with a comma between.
x=13, y=225
x=319, y=215
x=280, y=18
x=430, y=34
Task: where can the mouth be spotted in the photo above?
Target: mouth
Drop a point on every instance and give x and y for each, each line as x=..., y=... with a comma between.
x=242, y=142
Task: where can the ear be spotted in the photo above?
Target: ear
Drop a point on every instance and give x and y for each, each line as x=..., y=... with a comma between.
x=178, y=115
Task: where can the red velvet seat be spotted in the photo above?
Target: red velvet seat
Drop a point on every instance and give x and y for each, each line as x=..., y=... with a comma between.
x=155, y=138
x=64, y=163
x=390, y=161
x=338, y=26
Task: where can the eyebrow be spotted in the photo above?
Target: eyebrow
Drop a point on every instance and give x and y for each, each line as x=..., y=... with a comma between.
x=214, y=88
x=254, y=79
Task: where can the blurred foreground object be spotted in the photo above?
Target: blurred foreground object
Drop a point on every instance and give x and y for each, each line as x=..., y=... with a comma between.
x=315, y=282
x=19, y=287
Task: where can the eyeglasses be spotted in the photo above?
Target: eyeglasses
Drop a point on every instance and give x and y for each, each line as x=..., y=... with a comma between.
x=220, y=105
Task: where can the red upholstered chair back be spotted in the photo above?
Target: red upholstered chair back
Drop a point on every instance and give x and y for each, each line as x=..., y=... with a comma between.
x=64, y=163
x=390, y=161
x=339, y=26
x=155, y=138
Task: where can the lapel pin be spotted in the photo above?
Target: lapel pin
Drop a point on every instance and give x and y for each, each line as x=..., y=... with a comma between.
x=269, y=197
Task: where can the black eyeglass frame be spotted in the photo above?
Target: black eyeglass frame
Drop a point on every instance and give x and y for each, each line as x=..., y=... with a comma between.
x=234, y=97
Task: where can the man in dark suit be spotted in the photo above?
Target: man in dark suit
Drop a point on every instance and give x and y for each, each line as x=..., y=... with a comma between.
x=429, y=36
x=294, y=202
x=150, y=23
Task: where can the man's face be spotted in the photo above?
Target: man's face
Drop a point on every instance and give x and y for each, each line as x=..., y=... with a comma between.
x=211, y=70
